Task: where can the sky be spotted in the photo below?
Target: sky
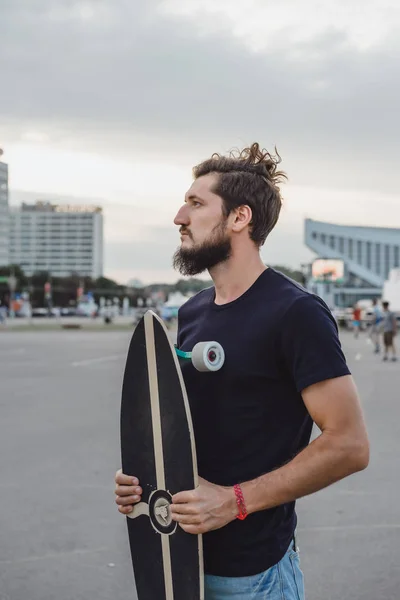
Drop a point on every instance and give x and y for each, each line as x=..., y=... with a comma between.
x=112, y=102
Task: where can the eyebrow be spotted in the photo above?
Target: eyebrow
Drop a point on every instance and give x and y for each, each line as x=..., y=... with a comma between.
x=194, y=197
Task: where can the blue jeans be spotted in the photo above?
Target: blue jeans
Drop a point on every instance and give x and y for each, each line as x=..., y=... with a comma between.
x=283, y=581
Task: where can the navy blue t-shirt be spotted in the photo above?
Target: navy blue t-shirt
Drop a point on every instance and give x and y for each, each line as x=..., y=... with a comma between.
x=249, y=418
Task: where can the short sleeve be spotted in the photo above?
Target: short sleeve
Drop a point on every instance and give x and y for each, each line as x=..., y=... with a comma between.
x=310, y=343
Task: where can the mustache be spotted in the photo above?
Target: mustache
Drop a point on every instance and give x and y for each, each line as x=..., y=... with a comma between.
x=185, y=231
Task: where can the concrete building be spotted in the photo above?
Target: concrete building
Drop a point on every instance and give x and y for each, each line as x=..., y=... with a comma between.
x=60, y=239
x=368, y=254
x=4, y=222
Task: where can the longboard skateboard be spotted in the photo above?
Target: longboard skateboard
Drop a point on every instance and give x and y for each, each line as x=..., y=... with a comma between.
x=157, y=446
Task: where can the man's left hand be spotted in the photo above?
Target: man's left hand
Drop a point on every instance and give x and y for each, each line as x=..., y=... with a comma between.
x=206, y=508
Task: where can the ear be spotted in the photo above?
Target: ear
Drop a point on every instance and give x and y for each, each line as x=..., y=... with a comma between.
x=242, y=217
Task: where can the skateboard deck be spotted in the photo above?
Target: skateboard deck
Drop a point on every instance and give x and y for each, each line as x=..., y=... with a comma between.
x=157, y=446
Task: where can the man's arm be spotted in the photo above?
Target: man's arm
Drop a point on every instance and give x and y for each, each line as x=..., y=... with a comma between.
x=340, y=450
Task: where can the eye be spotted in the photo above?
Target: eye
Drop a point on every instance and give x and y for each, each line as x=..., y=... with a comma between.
x=196, y=204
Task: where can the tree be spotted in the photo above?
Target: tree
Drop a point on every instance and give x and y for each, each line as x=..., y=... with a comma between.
x=193, y=284
x=292, y=273
x=106, y=284
x=15, y=270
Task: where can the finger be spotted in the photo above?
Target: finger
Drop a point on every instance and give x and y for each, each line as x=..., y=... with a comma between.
x=184, y=497
x=186, y=519
x=193, y=529
x=127, y=500
x=126, y=490
x=125, y=510
x=184, y=509
x=122, y=479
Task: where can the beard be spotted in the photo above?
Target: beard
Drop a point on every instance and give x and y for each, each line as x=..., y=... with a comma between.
x=216, y=249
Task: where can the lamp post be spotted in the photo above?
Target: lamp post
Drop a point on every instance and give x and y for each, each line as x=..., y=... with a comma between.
x=12, y=284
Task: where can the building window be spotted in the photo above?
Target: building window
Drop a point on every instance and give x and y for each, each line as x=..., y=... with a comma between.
x=369, y=246
x=359, y=252
x=396, y=257
x=387, y=260
x=378, y=258
x=332, y=241
x=341, y=245
x=314, y=235
x=323, y=238
x=350, y=248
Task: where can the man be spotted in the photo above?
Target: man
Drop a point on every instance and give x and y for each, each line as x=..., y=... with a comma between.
x=389, y=332
x=2, y=314
x=376, y=326
x=284, y=368
x=356, y=320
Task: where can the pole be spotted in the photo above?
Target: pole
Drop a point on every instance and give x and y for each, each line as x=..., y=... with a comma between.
x=12, y=283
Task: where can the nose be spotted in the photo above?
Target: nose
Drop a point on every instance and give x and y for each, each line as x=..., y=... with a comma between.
x=182, y=217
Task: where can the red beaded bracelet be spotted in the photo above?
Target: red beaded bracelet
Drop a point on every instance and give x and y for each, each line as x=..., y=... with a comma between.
x=240, y=502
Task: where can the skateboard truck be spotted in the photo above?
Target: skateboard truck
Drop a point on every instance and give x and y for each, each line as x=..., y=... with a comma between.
x=205, y=356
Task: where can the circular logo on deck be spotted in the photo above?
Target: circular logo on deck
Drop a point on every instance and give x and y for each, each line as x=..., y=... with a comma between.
x=160, y=512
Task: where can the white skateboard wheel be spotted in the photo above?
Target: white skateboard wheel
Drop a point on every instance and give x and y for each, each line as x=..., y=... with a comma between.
x=208, y=356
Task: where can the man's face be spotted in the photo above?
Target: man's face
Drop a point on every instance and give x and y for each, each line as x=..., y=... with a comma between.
x=205, y=241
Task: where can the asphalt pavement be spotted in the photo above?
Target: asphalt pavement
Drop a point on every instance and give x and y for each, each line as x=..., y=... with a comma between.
x=61, y=535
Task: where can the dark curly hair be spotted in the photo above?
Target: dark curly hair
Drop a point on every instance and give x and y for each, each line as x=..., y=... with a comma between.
x=248, y=177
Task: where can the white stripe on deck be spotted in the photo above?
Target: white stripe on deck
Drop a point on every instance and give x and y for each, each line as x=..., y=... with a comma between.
x=95, y=361
x=158, y=447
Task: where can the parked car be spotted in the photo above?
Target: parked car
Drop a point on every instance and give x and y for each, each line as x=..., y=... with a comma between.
x=68, y=312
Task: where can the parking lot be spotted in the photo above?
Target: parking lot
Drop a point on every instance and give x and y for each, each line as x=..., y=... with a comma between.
x=61, y=535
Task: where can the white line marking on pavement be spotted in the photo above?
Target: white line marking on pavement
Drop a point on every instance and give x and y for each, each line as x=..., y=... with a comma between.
x=16, y=352
x=94, y=361
x=68, y=486
x=53, y=555
x=26, y=363
x=359, y=493
x=349, y=527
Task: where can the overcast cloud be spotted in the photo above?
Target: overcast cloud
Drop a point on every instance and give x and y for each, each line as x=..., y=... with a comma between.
x=175, y=82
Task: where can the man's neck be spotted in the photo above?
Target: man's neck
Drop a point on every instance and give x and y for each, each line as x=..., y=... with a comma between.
x=233, y=278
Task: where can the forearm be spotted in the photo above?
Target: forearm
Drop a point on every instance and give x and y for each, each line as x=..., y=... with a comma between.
x=326, y=460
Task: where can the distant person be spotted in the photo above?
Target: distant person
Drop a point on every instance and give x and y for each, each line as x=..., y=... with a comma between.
x=253, y=419
x=376, y=325
x=166, y=315
x=356, y=320
x=3, y=313
x=389, y=332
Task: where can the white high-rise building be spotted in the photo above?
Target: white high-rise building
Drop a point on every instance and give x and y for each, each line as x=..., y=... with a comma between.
x=4, y=223
x=59, y=239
